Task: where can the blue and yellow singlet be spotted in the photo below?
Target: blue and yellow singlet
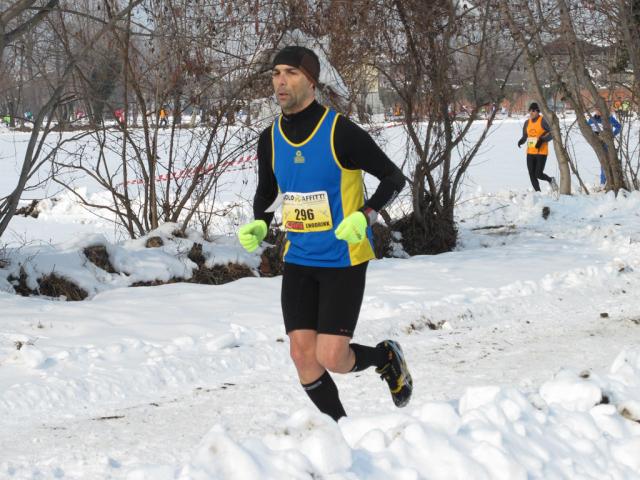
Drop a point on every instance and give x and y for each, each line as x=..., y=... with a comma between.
x=318, y=194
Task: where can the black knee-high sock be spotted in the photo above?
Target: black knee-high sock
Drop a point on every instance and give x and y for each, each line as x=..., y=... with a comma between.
x=324, y=394
x=368, y=357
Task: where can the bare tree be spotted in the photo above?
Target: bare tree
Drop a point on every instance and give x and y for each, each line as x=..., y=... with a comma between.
x=17, y=21
x=36, y=155
x=621, y=20
x=537, y=81
x=554, y=35
x=21, y=16
x=426, y=52
x=155, y=175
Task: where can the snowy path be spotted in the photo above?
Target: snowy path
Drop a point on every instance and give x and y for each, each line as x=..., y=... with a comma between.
x=164, y=430
x=168, y=363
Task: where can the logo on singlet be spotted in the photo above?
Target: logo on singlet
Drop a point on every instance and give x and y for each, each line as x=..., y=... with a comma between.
x=298, y=158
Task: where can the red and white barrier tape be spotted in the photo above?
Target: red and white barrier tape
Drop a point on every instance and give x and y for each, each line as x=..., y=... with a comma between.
x=240, y=163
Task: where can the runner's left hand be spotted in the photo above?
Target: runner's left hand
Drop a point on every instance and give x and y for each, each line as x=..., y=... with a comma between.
x=352, y=229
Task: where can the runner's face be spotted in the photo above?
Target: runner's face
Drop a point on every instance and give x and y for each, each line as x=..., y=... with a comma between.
x=533, y=114
x=294, y=91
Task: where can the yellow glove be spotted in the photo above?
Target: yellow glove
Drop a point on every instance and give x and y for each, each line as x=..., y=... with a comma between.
x=251, y=234
x=352, y=229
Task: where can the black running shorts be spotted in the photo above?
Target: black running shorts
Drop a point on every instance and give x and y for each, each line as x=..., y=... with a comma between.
x=324, y=299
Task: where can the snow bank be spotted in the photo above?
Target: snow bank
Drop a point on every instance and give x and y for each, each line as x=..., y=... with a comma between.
x=511, y=221
x=132, y=260
x=563, y=431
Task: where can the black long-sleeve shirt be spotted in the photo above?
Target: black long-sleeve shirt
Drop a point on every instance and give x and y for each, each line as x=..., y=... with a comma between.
x=354, y=148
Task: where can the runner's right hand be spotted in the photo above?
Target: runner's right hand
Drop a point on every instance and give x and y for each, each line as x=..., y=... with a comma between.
x=251, y=234
x=521, y=142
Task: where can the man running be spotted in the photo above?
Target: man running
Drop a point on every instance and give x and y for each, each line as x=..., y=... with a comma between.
x=537, y=135
x=314, y=157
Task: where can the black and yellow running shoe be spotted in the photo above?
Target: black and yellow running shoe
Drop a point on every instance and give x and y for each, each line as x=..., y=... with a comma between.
x=396, y=373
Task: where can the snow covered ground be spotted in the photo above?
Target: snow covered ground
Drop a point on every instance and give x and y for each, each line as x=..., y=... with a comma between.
x=524, y=346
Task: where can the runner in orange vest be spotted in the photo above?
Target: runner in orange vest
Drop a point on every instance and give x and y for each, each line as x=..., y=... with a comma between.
x=617, y=107
x=163, y=117
x=536, y=133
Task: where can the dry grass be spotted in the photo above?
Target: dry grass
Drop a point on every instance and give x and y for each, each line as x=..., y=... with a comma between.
x=154, y=242
x=53, y=285
x=196, y=255
x=98, y=255
x=20, y=284
x=220, y=274
x=155, y=283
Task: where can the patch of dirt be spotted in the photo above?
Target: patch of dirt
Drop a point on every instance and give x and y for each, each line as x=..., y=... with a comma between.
x=196, y=255
x=53, y=285
x=155, y=283
x=30, y=210
x=154, y=242
x=110, y=417
x=98, y=255
x=216, y=275
x=220, y=274
x=424, y=324
x=19, y=343
x=20, y=284
x=497, y=230
x=629, y=415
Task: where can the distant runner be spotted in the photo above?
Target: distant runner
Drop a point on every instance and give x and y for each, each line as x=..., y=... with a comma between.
x=314, y=157
x=536, y=134
x=597, y=126
x=163, y=117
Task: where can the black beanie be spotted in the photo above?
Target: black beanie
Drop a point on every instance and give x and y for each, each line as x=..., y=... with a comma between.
x=534, y=107
x=302, y=58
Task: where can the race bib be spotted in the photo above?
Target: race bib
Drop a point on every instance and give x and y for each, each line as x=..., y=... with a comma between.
x=306, y=212
x=531, y=142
